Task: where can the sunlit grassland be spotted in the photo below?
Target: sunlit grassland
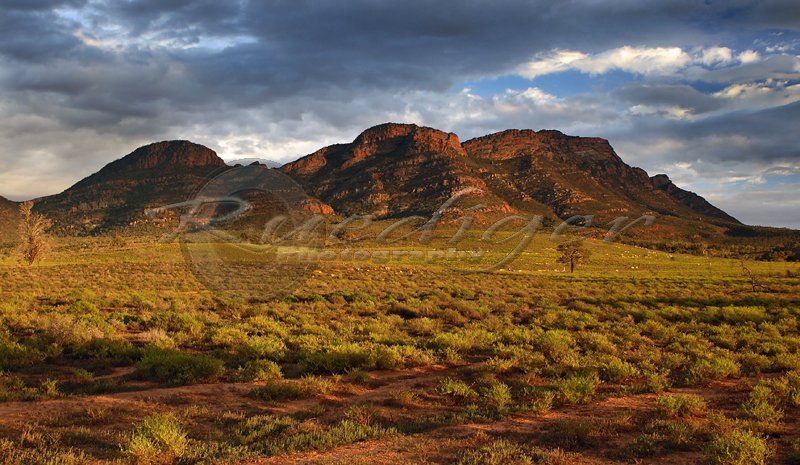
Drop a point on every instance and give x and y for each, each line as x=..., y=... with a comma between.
x=108, y=315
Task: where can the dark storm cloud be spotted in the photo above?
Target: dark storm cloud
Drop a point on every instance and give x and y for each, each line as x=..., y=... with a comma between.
x=309, y=47
x=33, y=35
x=82, y=82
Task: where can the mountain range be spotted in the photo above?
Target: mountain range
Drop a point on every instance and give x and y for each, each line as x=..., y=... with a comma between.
x=392, y=170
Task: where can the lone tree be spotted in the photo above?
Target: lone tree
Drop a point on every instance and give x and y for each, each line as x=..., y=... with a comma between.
x=32, y=228
x=572, y=253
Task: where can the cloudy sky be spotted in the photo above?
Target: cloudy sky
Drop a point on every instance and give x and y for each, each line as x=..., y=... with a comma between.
x=707, y=92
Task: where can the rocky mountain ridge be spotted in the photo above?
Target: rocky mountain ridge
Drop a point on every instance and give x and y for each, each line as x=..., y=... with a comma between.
x=393, y=170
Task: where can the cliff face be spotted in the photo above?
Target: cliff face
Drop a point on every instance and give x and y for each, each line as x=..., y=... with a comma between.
x=117, y=195
x=391, y=170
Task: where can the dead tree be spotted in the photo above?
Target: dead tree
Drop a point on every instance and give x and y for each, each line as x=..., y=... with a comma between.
x=749, y=274
x=32, y=233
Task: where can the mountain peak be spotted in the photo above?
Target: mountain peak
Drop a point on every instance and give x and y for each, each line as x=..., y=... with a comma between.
x=153, y=175
x=389, y=170
x=387, y=139
x=166, y=157
x=385, y=131
x=418, y=137
x=169, y=153
x=513, y=143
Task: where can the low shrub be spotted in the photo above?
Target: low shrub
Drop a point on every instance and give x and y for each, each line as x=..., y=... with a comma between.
x=673, y=434
x=496, y=396
x=158, y=439
x=276, y=389
x=577, y=389
x=762, y=405
x=765, y=402
x=540, y=403
x=178, y=368
x=12, y=453
x=457, y=390
x=340, y=359
x=571, y=434
x=273, y=435
x=680, y=405
x=504, y=452
x=738, y=447
x=13, y=388
x=14, y=355
x=500, y=452
x=259, y=370
x=118, y=351
x=615, y=370
x=702, y=372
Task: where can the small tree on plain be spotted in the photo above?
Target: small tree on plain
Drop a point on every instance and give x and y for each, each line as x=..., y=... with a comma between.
x=32, y=233
x=572, y=254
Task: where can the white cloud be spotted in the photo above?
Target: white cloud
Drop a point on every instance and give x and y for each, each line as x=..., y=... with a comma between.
x=748, y=56
x=536, y=95
x=639, y=60
x=716, y=56
x=554, y=62
x=647, y=61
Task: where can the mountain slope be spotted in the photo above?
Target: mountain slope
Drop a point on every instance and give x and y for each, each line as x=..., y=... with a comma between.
x=391, y=170
x=581, y=176
x=394, y=170
x=117, y=195
x=8, y=220
x=690, y=199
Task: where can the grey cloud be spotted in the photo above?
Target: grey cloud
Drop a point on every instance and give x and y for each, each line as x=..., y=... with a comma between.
x=683, y=96
x=774, y=206
x=777, y=66
x=735, y=147
x=285, y=77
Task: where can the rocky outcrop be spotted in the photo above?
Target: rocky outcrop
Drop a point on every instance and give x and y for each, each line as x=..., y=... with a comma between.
x=391, y=170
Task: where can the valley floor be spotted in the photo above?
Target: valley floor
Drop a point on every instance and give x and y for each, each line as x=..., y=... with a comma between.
x=111, y=351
